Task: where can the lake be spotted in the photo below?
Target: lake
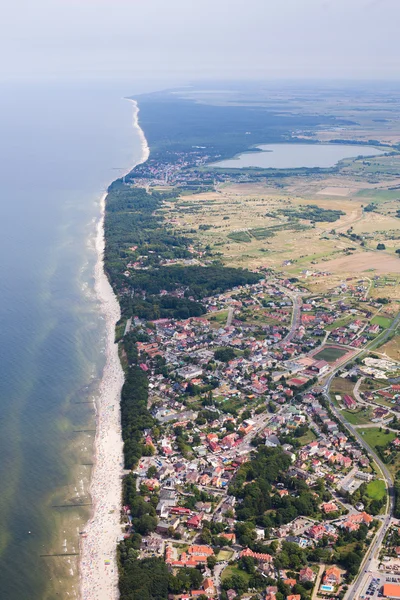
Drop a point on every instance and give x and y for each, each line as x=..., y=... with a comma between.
x=295, y=156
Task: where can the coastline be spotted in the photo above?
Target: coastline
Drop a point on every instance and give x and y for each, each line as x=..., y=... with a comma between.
x=98, y=580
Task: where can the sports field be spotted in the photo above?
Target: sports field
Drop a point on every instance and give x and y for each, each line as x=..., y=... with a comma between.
x=330, y=353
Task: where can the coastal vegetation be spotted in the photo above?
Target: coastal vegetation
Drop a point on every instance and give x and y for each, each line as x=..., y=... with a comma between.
x=195, y=390
x=138, y=248
x=174, y=125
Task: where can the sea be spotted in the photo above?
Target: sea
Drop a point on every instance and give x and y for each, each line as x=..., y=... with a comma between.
x=60, y=147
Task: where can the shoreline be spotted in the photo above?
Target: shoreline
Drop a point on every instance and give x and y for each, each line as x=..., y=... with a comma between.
x=98, y=580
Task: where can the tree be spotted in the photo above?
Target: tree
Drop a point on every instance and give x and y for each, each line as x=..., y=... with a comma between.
x=211, y=562
x=247, y=563
x=205, y=536
x=151, y=472
x=224, y=354
x=381, y=246
x=146, y=524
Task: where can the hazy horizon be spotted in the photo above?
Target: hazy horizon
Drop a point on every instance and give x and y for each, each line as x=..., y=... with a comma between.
x=182, y=40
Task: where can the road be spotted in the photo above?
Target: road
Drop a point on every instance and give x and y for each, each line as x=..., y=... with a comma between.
x=230, y=316
x=366, y=564
x=356, y=390
x=377, y=541
x=318, y=582
x=296, y=316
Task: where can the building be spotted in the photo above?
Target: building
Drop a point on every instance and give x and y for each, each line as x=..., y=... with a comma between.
x=190, y=372
x=391, y=590
x=329, y=507
x=200, y=551
x=256, y=555
x=349, y=402
x=209, y=587
x=364, y=476
x=320, y=367
x=195, y=521
x=307, y=574
x=332, y=576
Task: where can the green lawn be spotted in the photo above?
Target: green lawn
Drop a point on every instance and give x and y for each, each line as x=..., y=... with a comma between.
x=374, y=437
x=360, y=417
x=307, y=438
x=224, y=555
x=383, y=322
x=330, y=354
x=234, y=570
x=376, y=489
x=219, y=317
x=340, y=323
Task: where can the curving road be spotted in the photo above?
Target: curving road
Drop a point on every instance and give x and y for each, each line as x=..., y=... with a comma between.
x=377, y=541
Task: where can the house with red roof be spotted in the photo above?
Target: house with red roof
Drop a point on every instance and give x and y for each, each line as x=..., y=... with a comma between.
x=258, y=556
x=195, y=521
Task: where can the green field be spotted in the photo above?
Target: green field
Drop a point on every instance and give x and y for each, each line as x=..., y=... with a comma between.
x=383, y=322
x=234, y=570
x=219, y=317
x=307, y=438
x=376, y=489
x=360, y=417
x=340, y=323
x=374, y=437
x=378, y=195
x=224, y=555
x=330, y=354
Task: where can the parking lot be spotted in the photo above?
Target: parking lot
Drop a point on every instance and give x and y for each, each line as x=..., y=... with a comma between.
x=374, y=588
x=374, y=584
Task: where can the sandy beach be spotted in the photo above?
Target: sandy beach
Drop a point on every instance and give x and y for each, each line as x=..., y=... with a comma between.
x=98, y=566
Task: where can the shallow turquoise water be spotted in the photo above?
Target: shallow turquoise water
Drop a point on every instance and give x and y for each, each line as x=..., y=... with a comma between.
x=59, y=148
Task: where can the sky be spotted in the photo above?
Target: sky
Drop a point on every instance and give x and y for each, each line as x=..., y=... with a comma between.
x=182, y=40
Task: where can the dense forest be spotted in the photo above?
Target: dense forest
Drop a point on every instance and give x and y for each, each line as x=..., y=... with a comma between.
x=174, y=125
x=134, y=415
x=136, y=233
x=141, y=579
x=313, y=213
x=254, y=483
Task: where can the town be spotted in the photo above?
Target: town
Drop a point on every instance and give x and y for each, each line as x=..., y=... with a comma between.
x=245, y=380
x=261, y=404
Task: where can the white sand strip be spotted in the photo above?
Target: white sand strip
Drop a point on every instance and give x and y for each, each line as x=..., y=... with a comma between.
x=98, y=580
